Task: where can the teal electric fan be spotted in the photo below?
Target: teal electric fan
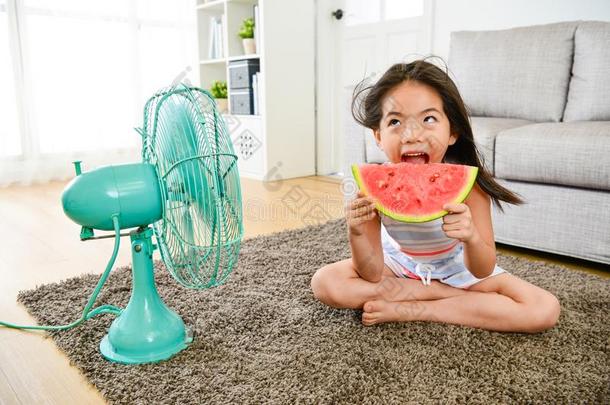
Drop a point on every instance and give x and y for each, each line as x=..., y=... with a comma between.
x=188, y=189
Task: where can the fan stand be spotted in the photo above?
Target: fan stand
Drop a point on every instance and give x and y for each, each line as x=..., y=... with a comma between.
x=146, y=331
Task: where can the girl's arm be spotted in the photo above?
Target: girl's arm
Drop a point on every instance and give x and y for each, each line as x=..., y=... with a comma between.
x=367, y=254
x=364, y=231
x=471, y=223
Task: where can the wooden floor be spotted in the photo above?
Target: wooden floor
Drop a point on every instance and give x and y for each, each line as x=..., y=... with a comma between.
x=39, y=244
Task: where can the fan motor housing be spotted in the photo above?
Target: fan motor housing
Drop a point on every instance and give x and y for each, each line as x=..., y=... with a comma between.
x=130, y=190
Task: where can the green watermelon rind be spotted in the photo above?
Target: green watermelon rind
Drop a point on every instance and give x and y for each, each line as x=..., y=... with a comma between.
x=471, y=179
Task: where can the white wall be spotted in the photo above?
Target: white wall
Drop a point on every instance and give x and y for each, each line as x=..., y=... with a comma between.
x=471, y=15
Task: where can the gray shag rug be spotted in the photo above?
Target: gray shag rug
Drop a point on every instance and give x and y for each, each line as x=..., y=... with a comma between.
x=262, y=338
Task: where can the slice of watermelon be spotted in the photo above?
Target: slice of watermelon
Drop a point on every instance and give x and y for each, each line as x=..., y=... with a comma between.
x=415, y=192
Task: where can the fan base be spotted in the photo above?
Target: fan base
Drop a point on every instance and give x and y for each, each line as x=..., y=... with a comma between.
x=147, y=330
x=109, y=353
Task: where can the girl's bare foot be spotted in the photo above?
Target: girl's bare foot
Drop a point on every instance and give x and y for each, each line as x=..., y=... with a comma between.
x=380, y=311
x=403, y=289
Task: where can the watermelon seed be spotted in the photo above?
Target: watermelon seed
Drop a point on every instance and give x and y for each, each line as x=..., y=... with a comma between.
x=391, y=174
x=432, y=179
x=436, y=175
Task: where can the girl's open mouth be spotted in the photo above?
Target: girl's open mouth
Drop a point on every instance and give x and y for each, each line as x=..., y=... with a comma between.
x=415, y=157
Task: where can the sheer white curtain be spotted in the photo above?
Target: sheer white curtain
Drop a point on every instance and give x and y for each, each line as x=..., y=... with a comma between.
x=74, y=77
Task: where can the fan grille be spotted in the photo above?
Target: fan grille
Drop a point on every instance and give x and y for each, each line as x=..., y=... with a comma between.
x=185, y=138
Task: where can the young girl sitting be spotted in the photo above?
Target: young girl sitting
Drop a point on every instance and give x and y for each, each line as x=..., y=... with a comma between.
x=443, y=270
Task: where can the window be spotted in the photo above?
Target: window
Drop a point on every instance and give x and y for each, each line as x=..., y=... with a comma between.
x=360, y=12
x=81, y=83
x=166, y=49
x=10, y=141
x=85, y=71
x=396, y=9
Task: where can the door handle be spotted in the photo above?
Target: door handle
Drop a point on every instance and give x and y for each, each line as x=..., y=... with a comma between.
x=338, y=14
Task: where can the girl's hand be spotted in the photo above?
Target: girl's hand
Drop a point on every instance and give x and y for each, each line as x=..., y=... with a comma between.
x=359, y=212
x=458, y=223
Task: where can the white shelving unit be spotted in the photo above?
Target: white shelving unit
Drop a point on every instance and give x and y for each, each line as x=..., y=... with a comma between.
x=280, y=141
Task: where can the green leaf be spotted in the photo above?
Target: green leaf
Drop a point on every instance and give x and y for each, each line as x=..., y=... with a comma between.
x=247, y=28
x=219, y=89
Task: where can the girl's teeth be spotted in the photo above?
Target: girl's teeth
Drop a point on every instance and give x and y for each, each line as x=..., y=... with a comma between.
x=417, y=158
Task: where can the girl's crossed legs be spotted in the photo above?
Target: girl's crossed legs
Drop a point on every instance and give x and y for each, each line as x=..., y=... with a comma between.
x=501, y=303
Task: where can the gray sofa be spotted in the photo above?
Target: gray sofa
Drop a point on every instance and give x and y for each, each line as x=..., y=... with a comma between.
x=539, y=99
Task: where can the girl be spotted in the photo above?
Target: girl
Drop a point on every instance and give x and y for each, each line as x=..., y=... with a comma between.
x=444, y=270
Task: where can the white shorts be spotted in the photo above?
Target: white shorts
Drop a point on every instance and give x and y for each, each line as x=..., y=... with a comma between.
x=451, y=271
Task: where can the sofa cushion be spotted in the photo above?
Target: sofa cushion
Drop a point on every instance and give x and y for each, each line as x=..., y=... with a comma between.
x=517, y=73
x=589, y=94
x=485, y=130
x=556, y=219
x=571, y=153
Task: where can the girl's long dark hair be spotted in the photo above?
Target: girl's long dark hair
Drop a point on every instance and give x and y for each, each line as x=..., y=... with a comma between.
x=367, y=111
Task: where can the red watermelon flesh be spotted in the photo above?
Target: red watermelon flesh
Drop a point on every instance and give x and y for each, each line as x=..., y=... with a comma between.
x=410, y=192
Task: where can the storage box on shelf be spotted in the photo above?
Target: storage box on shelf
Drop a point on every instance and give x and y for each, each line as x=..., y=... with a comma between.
x=242, y=78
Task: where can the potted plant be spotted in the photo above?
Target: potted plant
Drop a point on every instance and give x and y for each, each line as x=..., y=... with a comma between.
x=246, y=33
x=219, y=92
